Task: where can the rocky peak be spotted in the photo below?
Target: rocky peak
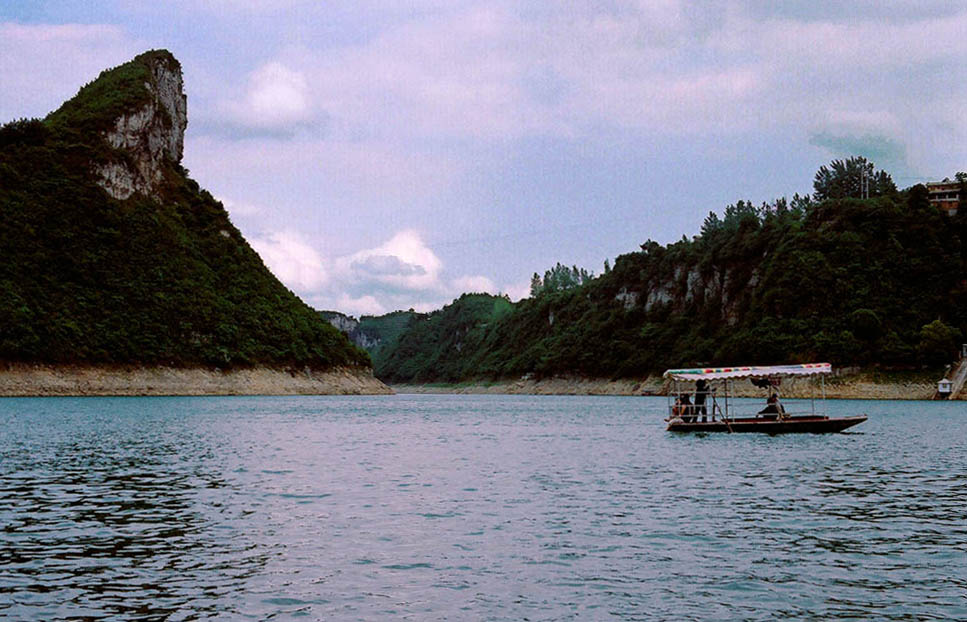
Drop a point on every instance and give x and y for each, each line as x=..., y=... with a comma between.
x=157, y=129
x=140, y=110
x=151, y=134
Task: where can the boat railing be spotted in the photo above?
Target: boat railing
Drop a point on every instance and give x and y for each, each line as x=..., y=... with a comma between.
x=725, y=406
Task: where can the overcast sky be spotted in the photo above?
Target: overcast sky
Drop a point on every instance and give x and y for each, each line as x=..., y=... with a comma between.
x=383, y=155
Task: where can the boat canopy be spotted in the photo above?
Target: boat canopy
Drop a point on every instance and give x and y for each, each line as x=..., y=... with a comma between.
x=761, y=371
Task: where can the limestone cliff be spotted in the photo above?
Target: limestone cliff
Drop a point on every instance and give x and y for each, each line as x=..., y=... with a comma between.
x=728, y=287
x=147, y=133
x=152, y=135
x=368, y=340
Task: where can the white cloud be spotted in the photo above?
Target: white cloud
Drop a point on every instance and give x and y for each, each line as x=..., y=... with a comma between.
x=518, y=291
x=238, y=208
x=404, y=262
x=249, y=6
x=276, y=97
x=473, y=284
x=401, y=273
x=447, y=74
x=491, y=71
x=363, y=305
x=856, y=44
x=292, y=259
x=870, y=121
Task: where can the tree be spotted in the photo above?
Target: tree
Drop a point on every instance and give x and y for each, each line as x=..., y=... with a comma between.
x=938, y=342
x=846, y=179
x=961, y=177
x=711, y=225
x=561, y=278
x=800, y=204
x=918, y=197
x=536, y=285
x=866, y=324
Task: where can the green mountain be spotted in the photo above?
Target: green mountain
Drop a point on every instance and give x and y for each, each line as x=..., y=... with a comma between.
x=110, y=253
x=879, y=281
x=442, y=346
x=373, y=333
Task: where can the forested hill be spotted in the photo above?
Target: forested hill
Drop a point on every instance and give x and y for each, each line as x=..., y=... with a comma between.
x=110, y=253
x=374, y=334
x=878, y=281
x=443, y=345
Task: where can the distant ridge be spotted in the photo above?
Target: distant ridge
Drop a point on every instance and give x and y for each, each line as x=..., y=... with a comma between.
x=865, y=283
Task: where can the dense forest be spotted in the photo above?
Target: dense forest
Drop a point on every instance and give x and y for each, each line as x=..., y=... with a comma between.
x=443, y=345
x=85, y=278
x=877, y=281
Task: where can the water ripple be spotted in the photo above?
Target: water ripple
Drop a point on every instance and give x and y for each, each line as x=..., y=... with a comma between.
x=472, y=507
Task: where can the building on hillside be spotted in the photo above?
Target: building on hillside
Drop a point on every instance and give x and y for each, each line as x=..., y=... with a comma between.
x=944, y=195
x=943, y=388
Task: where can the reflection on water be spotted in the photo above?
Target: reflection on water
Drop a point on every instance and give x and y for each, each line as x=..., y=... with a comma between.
x=110, y=523
x=463, y=507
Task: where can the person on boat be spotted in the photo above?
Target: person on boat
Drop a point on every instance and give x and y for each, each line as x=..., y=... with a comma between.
x=773, y=407
x=688, y=411
x=678, y=410
x=701, y=393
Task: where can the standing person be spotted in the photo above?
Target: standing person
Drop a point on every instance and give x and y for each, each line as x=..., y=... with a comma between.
x=701, y=393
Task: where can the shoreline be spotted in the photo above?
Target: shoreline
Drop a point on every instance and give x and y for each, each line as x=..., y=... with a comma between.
x=30, y=380
x=847, y=386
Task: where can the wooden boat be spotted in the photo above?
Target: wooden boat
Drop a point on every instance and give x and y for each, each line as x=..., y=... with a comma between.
x=714, y=412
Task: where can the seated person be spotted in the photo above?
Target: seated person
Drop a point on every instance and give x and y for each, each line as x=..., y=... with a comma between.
x=688, y=411
x=678, y=410
x=773, y=407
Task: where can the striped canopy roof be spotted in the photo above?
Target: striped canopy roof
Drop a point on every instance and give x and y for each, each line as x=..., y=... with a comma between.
x=760, y=371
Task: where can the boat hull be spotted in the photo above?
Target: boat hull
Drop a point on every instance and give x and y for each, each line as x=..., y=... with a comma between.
x=790, y=425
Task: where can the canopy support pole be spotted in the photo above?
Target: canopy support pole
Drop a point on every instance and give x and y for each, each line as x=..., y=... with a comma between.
x=822, y=382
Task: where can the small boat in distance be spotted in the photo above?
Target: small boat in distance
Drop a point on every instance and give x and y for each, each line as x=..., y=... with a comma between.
x=711, y=412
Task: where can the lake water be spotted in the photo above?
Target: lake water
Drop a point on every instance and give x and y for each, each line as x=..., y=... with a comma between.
x=473, y=508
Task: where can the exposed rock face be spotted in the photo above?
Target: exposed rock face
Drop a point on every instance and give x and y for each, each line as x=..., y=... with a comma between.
x=343, y=323
x=725, y=287
x=150, y=136
x=627, y=299
x=349, y=326
x=364, y=341
x=33, y=379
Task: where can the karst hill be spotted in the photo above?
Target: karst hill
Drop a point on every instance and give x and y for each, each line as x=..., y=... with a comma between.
x=110, y=254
